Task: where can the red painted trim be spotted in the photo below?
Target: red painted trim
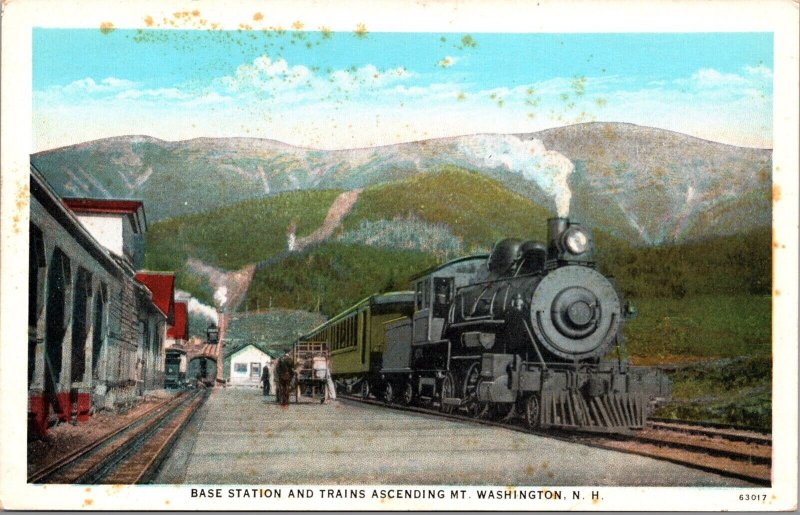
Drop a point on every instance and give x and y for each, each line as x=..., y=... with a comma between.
x=177, y=331
x=162, y=287
x=96, y=205
x=84, y=404
x=37, y=415
x=65, y=403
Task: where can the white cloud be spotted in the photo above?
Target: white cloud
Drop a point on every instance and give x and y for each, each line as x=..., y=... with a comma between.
x=759, y=71
x=265, y=74
x=89, y=85
x=711, y=78
x=266, y=79
x=160, y=93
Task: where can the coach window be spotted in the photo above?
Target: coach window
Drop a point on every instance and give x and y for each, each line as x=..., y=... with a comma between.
x=351, y=333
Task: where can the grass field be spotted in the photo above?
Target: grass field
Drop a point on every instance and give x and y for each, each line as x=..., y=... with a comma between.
x=718, y=352
x=702, y=327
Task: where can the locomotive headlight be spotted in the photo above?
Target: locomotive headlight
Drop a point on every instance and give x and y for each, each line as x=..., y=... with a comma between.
x=577, y=241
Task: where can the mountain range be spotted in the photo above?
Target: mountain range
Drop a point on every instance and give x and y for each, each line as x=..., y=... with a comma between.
x=649, y=186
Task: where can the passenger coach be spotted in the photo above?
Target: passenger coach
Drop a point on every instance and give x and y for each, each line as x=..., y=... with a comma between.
x=356, y=339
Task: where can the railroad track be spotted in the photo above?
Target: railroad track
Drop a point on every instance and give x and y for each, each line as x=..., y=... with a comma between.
x=726, y=450
x=129, y=455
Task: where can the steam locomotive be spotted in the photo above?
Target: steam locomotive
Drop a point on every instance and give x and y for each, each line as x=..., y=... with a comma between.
x=532, y=331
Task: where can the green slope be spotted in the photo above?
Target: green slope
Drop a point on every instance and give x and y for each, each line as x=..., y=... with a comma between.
x=476, y=208
x=333, y=276
x=233, y=236
x=728, y=265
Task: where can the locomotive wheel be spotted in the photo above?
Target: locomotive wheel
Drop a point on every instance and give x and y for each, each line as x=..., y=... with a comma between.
x=480, y=409
x=408, y=393
x=388, y=394
x=470, y=390
x=448, y=391
x=532, y=411
x=365, y=390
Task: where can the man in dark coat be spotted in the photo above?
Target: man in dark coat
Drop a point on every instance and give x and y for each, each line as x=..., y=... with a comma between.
x=285, y=374
x=265, y=379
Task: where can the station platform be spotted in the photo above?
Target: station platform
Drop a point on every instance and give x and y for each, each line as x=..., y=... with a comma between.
x=241, y=437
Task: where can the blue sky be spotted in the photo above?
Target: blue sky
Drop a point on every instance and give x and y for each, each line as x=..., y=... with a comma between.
x=343, y=90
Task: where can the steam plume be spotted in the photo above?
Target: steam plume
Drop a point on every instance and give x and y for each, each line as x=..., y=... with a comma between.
x=196, y=307
x=549, y=169
x=221, y=296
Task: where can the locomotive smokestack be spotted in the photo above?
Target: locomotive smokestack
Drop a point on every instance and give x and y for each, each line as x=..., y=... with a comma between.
x=555, y=227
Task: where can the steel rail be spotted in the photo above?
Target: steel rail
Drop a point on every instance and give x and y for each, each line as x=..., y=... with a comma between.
x=89, y=464
x=717, y=461
x=50, y=469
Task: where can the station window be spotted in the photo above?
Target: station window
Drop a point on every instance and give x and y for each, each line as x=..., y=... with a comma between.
x=240, y=368
x=255, y=370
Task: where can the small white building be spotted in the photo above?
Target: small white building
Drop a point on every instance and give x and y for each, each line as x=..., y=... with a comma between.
x=246, y=365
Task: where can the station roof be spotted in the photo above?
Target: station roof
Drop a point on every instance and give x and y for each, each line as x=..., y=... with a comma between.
x=133, y=208
x=162, y=286
x=272, y=353
x=177, y=330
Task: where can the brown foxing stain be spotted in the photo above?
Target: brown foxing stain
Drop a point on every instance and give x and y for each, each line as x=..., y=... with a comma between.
x=595, y=501
x=777, y=292
x=87, y=502
x=106, y=27
x=20, y=205
x=776, y=193
x=360, y=31
x=529, y=470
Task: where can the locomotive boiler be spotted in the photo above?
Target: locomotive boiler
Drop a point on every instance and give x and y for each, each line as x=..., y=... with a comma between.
x=533, y=330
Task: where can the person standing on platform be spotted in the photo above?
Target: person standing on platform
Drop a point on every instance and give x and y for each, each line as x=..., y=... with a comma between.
x=265, y=379
x=330, y=386
x=285, y=374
